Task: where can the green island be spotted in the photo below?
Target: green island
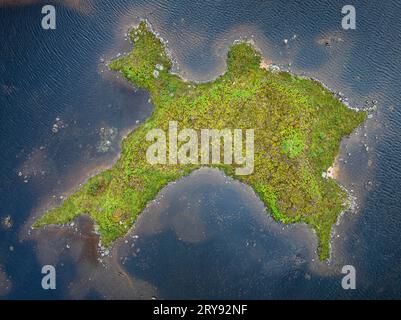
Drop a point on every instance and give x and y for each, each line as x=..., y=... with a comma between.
x=298, y=126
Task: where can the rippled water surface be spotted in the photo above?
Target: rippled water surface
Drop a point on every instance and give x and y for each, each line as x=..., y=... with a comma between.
x=63, y=115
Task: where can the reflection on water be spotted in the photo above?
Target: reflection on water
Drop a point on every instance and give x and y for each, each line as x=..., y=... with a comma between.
x=205, y=236
x=5, y=283
x=81, y=269
x=208, y=236
x=83, y=6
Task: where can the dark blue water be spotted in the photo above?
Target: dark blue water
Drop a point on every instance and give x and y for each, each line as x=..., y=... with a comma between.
x=204, y=237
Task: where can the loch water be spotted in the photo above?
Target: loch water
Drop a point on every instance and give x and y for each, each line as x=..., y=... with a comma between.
x=63, y=115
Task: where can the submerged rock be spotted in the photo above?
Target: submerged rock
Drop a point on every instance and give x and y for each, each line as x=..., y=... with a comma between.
x=107, y=136
x=7, y=222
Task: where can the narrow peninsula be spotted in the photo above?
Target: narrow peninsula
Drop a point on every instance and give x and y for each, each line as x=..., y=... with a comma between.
x=298, y=126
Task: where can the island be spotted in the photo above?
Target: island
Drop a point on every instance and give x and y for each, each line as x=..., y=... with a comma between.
x=298, y=125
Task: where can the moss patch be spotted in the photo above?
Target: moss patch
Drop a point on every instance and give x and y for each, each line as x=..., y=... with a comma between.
x=298, y=128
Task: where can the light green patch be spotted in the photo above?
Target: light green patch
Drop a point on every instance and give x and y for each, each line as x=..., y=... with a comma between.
x=293, y=145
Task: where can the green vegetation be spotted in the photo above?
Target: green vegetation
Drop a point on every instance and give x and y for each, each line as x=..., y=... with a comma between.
x=298, y=128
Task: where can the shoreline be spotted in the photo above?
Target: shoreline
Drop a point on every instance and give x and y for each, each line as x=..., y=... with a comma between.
x=165, y=43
